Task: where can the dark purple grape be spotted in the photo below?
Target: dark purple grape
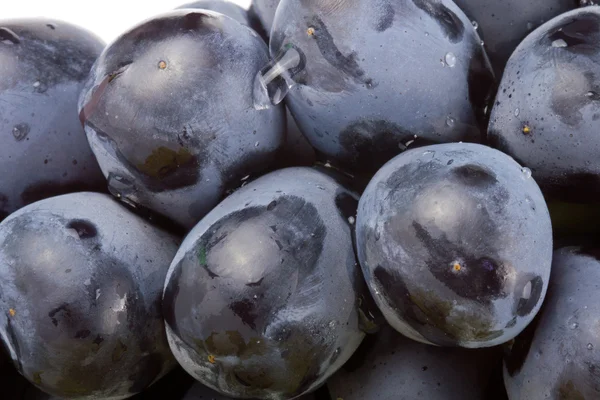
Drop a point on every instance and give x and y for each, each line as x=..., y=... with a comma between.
x=547, y=110
x=44, y=152
x=503, y=24
x=265, y=299
x=169, y=111
x=455, y=242
x=81, y=282
x=389, y=366
x=371, y=78
x=556, y=357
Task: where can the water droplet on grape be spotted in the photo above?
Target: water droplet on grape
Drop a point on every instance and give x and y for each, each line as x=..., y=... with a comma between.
x=122, y=188
x=20, y=131
x=450, y=59
x=273, y=82
x=559, y=43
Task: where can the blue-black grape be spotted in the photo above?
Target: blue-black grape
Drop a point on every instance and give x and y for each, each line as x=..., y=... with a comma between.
x=43, y=66
x=81, y=282
x=169, y=111
x=556, y=357
x=502, y=24
x=547, y=111
x=376, y=77
x=389, y=366
x=455, y=242
x=265, y=299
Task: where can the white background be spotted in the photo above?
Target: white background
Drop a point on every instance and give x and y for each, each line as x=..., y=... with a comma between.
x=106, y=18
